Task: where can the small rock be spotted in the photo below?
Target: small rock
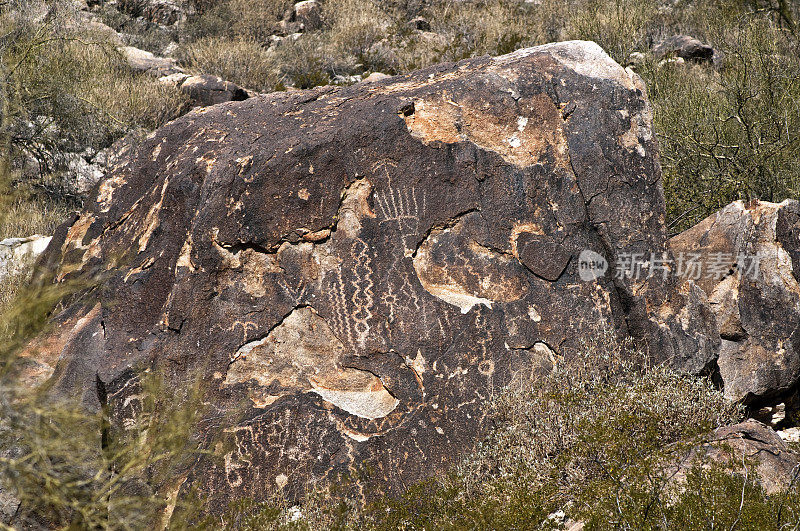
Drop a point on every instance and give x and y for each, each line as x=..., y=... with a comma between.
x=146, y=63
x=209, y=90
x=685, y=47
x=175, y=79
x=672, y=61
x=375, y=76
x=295, y=513
x=346, y=80
x=636, y=58
x=170, y=49
x=790, y=435
x=309, y=14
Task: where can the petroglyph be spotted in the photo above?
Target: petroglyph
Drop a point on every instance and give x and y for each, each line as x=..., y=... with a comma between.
x=402, y=206
x=362, y=298
x=337, y=300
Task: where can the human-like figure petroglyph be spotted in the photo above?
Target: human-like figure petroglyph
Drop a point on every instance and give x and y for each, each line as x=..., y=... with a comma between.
x=297, y=292
x=401, y=206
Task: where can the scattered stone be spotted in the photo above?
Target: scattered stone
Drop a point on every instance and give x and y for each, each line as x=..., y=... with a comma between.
x=294, y=513
x=790, y=435
x=18, y=254
x=346, y=80
x=376, y=76
x=636, y=58
x=176, y=79
x=678, y=61
x=356, y=266
x=146, y=63
x=208, y=90
x=309, y=14
x=751, y=254
x=170, y=49
x=685, y=47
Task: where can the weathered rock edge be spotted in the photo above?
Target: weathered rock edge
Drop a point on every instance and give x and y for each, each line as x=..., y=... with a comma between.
x=364, y=267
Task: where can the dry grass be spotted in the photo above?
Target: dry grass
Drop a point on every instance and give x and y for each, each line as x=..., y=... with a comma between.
x=25, y=217
x=241, y=60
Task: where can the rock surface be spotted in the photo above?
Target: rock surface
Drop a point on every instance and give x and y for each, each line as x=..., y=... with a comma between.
x=751, y=255
x=362, y=267
x=145, y=62
x=19, y=254
x=685, y=47
x=752, y=443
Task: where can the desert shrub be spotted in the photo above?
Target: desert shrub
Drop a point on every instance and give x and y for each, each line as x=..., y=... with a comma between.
x=619, y=26
x=239, y=60
x=60, y=464
x=60, y=461
x=302, y=62
x=354, y=27
x=251, y=19
x=65, y=89
x=26, y=215
x=733, y=132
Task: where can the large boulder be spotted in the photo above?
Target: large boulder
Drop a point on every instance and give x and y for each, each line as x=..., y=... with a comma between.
x=748, y=258
x=354, y=271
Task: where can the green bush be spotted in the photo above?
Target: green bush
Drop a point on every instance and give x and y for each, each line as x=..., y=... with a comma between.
x=732, y=132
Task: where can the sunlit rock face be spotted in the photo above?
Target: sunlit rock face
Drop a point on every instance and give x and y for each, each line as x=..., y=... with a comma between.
x=755, y=294
x=355, y=271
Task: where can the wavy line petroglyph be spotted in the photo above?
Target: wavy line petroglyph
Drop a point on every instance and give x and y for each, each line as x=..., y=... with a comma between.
x=362, y=298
